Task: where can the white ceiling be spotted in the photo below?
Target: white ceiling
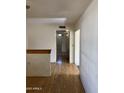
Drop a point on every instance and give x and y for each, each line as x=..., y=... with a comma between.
x=69, y=9
x=57, y=21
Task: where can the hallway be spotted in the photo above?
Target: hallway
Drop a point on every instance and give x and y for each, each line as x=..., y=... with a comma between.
x=64, y=79
x=43, y=19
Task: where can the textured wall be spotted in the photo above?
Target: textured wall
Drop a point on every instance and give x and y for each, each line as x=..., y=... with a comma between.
x=88, y=24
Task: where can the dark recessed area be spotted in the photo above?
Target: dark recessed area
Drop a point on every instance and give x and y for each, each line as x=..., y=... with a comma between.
x=27, y=6
x=62, y=26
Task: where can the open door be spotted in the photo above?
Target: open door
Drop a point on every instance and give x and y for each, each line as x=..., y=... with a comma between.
x=62, y=44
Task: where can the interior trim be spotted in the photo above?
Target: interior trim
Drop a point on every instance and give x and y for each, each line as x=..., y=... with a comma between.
x=38, y=51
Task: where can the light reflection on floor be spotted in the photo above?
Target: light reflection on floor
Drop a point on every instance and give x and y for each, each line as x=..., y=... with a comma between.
x=62, y=59
x=59, y=60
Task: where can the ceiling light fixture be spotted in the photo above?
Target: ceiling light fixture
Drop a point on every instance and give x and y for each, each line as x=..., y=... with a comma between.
x=59, y=34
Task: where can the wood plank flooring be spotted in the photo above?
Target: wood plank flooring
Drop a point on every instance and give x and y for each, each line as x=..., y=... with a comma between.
x=64, y=79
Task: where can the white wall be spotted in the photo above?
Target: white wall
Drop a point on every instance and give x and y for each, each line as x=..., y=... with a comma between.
x=38, y=65
x=77, y=47
x=43, y=36
x=88, y=24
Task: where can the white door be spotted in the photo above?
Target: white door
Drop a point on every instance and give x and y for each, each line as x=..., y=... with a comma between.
x=77, y=47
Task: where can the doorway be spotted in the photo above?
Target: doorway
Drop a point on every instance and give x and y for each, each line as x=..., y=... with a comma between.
x=77, y=47
x=62, y=44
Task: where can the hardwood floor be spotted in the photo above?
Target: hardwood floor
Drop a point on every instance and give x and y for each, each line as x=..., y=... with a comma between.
x=64, y=79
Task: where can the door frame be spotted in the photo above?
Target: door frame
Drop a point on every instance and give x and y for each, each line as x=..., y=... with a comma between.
x=77, y=47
